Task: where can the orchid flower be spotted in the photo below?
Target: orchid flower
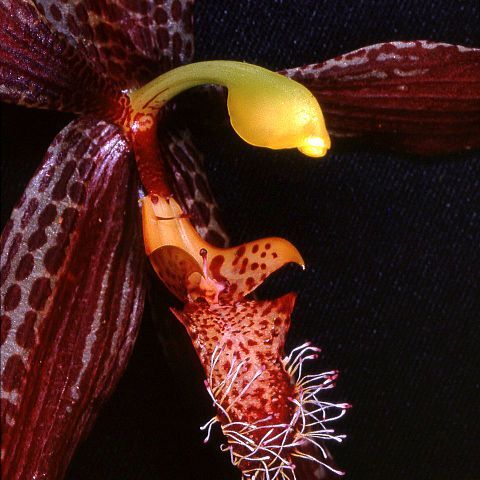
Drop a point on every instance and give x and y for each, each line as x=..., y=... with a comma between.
x=73, y=266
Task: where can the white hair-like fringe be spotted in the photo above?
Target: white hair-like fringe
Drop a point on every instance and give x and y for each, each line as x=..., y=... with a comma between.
x=271, y=458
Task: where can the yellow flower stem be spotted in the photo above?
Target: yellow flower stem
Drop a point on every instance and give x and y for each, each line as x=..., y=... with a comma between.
x=266, y=109
x=155, y=94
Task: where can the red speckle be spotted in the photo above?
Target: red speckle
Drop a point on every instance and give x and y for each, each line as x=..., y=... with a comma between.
x=162, y=36
x=176, y=10
x=5, y=324
x=81, y=12
x=254, y=266
x=60, y=190
x=69, y=219
x=4, y=271
x=25, y=267
x=30, y=210
x=267, y=246
x=36, y=240
x=13, y=374
x=77, y=192
x=53, y=259
x=241, y=251
x=255, y=248
x=56, y=13
x=12, y=297
x=47, y=216
x=39, y=294
x=46, y=179
x=267, y=310
x=6, y=234
x=25, y=335
x=243, y=268
x=15, y=245
x=177, y=47
x=72, y=25
x=215, y=267
x=160, y=16
x=243, y=348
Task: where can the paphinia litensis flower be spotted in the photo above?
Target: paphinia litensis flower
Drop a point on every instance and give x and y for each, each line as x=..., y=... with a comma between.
x=271, y=414
x=72, y=265
x=268, y=411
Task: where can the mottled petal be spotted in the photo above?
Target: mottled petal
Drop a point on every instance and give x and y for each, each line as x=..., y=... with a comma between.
x=271, y=413
x=40, y=68
x=131, y=41
x=419, y=96
x=72, y=273
x=254, y=331
x=190, y=266
x=185, y=164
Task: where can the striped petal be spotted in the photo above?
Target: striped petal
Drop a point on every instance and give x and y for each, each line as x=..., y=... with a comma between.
x=131, y=41
x=418, y=96
x=72, y=275
x=40, y=68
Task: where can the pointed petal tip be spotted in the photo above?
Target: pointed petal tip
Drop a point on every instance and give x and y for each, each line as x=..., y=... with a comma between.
x=187, y=264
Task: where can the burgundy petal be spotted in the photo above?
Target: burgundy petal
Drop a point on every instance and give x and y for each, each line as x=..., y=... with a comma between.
x=190, y=184
x=40, y=68
x=131, y=41
x=420, y=96
x=72, y=276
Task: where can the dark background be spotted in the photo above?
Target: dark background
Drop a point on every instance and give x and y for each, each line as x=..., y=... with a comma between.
x=392, y=246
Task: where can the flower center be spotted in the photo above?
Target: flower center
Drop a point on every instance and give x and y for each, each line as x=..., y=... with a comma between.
x=266, y=110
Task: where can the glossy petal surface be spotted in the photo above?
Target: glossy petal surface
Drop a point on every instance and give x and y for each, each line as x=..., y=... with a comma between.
x=72, y=296
x=419, y=96
x=189, y=266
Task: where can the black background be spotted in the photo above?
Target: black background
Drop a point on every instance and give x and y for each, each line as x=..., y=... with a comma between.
x=391, y=243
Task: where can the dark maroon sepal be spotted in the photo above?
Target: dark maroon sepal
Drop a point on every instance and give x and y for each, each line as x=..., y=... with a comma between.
x=40, y=68
x=185, y=166
x=418, y=96
x=72, y=280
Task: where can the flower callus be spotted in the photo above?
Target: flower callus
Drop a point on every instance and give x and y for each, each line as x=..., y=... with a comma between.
x=268, y=409
x=191, y=268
